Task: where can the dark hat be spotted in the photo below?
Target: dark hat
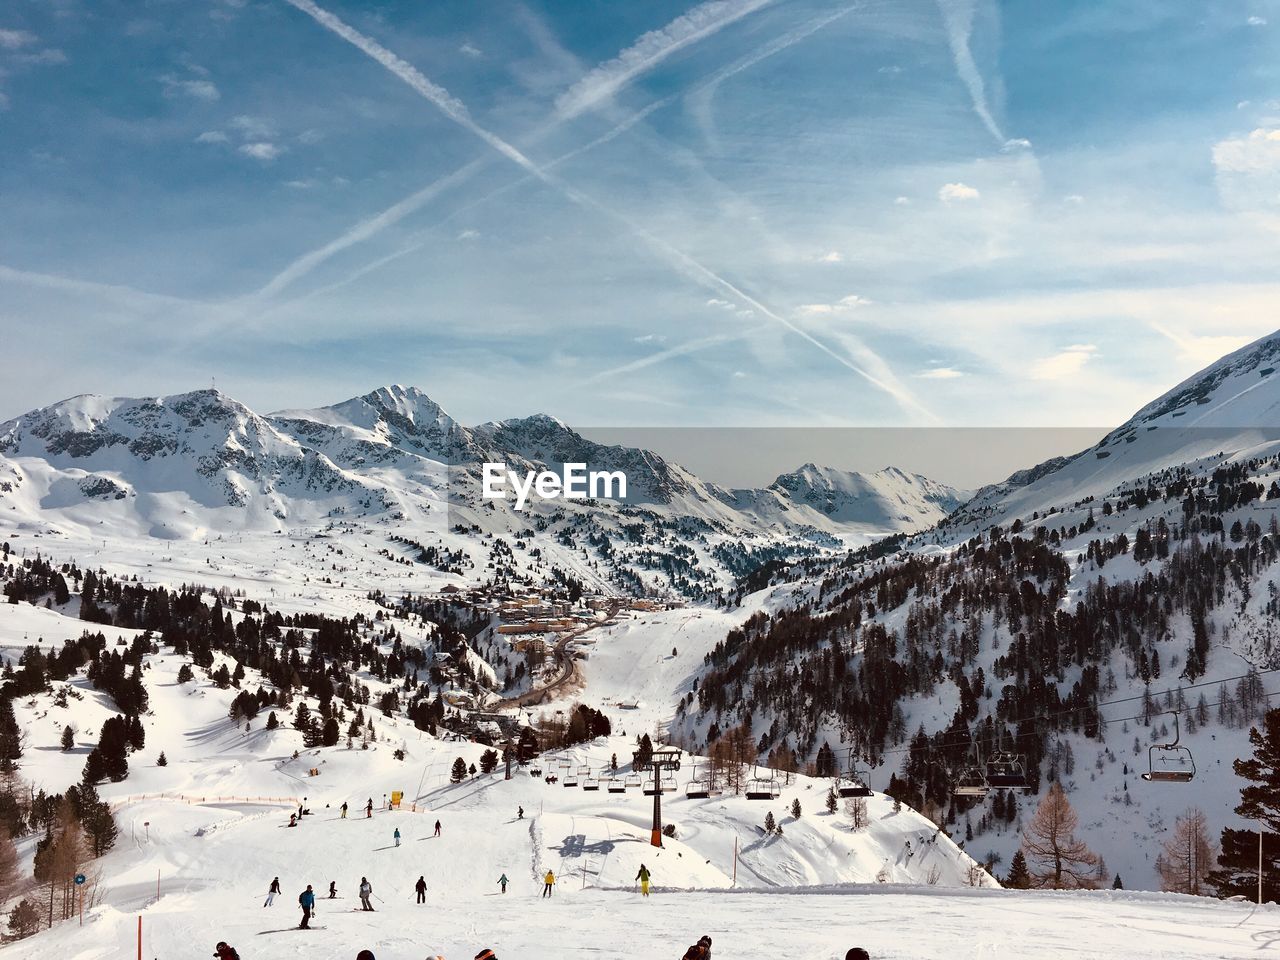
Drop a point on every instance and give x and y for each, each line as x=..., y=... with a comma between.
x=486, y=954
x=857, y=953
x=364, y=955
x=705, y=939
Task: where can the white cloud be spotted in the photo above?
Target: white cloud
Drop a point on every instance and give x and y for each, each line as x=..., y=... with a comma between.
x=261, y=150
x=1259, y=152
x=310, y=137
x=42, y=58
x=205, y=90
x=1066, y=363
x=843, y=305
x=651, y=49
x=957, y=192
x=717, y=302
x=649, y=338
x=13, y=39
x=902, y=201
x=940, y=373
x=469, y=50
x=831, y=256
x=738, y=374
x=212, y=136
x=253, y=128
x=1073, y=198
x=469, y=235
x=306, y=184
x=1257, y=21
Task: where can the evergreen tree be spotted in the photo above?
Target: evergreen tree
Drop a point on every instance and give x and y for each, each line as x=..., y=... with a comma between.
x=68, y=738
x=833, y=803
x=1237, y=873
x=184, y=673
x=459, y=771
x=162, y=760
x=770, y=824
x=1260, y=799
x=272, y=722
x=1117, y=884
x=1019, y=877
x=489, y=761
x=795, y=808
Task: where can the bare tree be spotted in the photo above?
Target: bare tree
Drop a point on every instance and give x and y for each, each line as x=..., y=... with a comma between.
x=1188, y=855
x=1058, y=860
x=10, y=877
x=856, y=807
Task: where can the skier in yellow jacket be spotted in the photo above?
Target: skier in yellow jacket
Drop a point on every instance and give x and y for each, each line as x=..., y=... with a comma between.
x=548, y=882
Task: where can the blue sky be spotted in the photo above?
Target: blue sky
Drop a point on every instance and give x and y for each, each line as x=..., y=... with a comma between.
x=739, y=212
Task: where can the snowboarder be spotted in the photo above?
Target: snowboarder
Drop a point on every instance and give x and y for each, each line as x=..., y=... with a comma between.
x=366, y=891
x=306, y=900
x=368, y=809
x=437, y=828
x=343, y=814
x=271, y=894
x=519, y=813
x=643, y=877
x=548, y=882
x=333, y=890
x=397, y=836
x=502, y=882
x=421, y=887
x=224, y=951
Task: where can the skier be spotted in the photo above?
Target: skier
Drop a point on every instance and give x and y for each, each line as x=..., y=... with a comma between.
x=699, y=951
x=343, y=808
x=397, y=836
x=224, y=951
x=306, y=900
x=366, y=891
x=368, y=809
x=437, y=828
x=519, y=813
x=293, y=819
x=271, y=894
x=333, y=890
x=421, y=887
x=643, y=877
x=548, y=882
x=502, y=882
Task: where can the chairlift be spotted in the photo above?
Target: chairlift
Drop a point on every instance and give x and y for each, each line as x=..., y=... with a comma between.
x=697, y=790
x=535, y=771
x=1173, y=764
x=852, y=785
x=616, y=785
x=591, y=783
x=584, y=769
x=565, y=763
x=1005, y=771
x=570, y=780
x=972, y=783
x=632, y=780
x=763, y=788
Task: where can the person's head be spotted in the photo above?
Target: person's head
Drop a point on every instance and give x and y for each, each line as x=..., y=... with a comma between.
x=705, y=941
x=857, y=953
x=364, y=955
x=486, y=954
x=308, y=886
x=221, y=948
x=364, y=879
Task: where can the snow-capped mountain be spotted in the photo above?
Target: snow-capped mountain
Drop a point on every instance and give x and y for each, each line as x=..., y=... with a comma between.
x=1227, y=412
x=888, y=499
x=199, y=464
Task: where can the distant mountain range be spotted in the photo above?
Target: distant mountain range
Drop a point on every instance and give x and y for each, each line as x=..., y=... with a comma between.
x=194, y=464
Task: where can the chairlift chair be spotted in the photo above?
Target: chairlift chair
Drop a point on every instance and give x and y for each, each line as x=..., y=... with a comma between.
x=972, y=783
x=632, y=780
x=1005, y=770
x=584, y=769
x=1174, y=762
x=697, y=790
x=760, y=788
x=570, y=779
x=535, y=771
x=852, y=785
x=649, y=788
x=591, y=783
x=616, y=785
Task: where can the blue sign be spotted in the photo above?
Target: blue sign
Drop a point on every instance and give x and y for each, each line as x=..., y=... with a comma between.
x=79, y=878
